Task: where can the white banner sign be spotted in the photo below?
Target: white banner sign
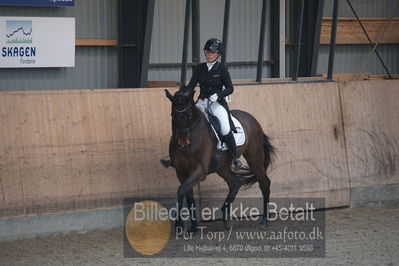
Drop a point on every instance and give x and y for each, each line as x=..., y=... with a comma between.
x=37, y=42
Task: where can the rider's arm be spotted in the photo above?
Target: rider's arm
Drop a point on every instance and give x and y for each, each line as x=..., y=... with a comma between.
x=194, y=79
x=227, y=84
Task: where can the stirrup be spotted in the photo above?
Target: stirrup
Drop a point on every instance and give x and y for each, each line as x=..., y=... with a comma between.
x=166, y=163
x=237, y=164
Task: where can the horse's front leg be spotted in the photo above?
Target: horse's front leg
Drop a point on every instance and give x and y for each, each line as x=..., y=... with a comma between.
x=186, y=189
x=192, y=208
x=179, y=223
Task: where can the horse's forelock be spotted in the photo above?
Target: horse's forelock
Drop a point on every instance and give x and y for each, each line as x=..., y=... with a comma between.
x=184, y=89
x=181, y=97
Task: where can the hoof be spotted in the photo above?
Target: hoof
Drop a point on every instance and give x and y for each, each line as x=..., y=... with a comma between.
x=179, y=230
x=193, y=230
x=179, y=225
x=194, y=227
x=228, y=224
x=263, y=221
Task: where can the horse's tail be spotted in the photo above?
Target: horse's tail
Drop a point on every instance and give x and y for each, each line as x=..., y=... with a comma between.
x=268, y=149
x=246, y=176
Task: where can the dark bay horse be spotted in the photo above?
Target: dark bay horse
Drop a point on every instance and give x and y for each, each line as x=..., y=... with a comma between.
x=193, y=147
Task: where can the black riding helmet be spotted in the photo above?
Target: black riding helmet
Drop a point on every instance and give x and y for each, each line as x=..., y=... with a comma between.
x=214, y=45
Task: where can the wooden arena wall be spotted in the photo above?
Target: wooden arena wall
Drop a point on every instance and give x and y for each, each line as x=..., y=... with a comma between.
x=63, y=151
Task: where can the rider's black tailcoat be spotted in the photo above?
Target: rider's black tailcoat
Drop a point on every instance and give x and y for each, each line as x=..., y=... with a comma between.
x=211, y=82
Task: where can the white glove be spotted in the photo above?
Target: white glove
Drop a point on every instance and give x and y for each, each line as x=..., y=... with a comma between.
x=214, y=97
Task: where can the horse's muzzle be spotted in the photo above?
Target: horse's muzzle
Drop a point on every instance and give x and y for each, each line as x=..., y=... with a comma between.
x=183, y=140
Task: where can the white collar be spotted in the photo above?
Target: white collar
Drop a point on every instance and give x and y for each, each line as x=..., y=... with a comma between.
x=210, y=65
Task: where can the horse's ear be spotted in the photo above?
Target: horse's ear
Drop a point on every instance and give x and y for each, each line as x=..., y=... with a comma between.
x=169, y=95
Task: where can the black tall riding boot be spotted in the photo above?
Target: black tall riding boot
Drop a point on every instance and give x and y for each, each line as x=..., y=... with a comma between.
x=166, y=163
x=231, y=143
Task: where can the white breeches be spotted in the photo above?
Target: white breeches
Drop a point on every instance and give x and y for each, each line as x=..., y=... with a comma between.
x=218, y=110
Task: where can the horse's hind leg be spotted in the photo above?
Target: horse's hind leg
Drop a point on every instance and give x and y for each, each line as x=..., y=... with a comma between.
x=234, y=185
x=255, y=159
x=264, y=185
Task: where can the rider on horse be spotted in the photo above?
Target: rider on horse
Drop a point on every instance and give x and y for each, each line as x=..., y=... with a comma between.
x=212, y=76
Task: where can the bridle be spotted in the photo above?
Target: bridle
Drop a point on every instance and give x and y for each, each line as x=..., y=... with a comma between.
x=187, y=130
x=183, y=110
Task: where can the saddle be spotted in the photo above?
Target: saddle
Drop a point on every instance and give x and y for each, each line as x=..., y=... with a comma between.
x=214, y=124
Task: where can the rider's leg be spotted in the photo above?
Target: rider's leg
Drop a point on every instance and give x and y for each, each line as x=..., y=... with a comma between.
x=202, y=102
x=231, y=143
x=228, y=137
x=166, y=163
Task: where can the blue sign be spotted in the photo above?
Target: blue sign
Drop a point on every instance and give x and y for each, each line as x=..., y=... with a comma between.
x=37, y=2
